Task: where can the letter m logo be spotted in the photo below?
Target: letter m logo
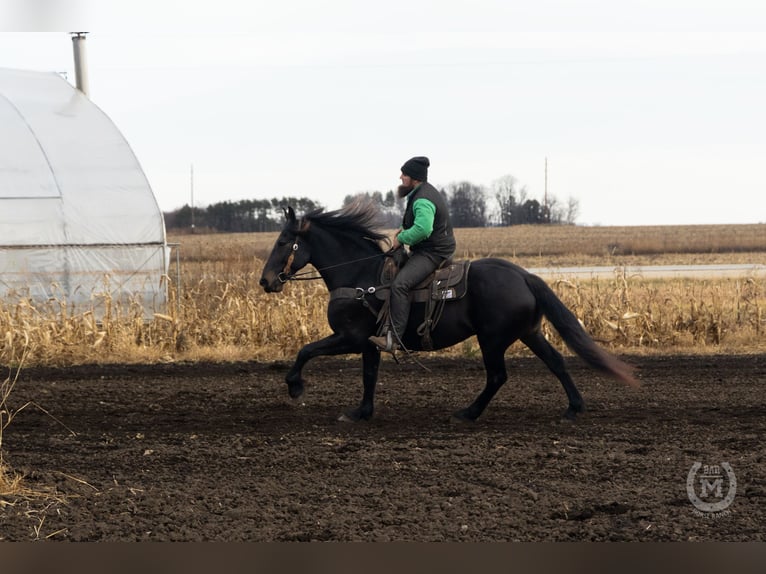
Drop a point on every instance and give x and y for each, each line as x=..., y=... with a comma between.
x=714, y=487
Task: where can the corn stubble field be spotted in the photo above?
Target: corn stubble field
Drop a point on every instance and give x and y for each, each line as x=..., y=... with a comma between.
x=220, y=313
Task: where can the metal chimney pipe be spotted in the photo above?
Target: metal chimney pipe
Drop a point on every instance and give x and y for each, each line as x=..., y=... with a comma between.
x=80, y=61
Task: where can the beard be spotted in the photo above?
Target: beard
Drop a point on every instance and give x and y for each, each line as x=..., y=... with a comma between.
x=404, y=190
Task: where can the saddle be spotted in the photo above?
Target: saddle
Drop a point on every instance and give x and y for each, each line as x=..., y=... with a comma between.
x=447, y=283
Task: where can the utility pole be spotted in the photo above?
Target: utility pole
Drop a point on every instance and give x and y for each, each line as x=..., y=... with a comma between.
x=192, y=198
x=546, y=213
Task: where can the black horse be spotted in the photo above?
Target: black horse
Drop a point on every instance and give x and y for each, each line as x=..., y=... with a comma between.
x=504, y=303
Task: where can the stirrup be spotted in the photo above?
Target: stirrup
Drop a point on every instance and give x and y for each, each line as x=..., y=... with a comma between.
x=391, y=346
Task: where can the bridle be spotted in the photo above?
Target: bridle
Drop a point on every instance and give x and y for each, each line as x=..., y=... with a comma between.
x=284, y=276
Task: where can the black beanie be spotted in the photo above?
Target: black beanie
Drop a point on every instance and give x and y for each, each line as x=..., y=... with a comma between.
x=416, y=168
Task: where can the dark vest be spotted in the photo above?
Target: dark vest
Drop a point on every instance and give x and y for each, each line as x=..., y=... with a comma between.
x=441, y=243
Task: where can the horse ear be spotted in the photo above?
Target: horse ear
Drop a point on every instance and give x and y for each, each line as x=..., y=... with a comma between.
x=289, y=214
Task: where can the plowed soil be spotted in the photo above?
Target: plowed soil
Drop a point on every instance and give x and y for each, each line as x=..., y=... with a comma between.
x=219, y=452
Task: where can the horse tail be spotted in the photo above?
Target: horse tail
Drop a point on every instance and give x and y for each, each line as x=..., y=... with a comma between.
x=575, y=335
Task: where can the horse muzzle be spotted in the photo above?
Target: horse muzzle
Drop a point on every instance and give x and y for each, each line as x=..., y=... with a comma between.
x=272, y=285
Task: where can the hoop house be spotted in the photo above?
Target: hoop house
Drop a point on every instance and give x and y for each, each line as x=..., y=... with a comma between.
x=79, y=223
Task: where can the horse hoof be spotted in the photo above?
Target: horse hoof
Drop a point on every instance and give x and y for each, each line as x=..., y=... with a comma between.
x=295, y=391
x=461, y=418
x=570, y=416
x=354, y=416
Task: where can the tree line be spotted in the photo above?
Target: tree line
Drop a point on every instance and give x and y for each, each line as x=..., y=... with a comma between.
x=246, y=215
x=504, y=203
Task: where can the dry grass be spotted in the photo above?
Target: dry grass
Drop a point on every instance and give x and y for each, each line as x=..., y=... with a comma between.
x=13, y=489
x=692, y=316
x=222, y=314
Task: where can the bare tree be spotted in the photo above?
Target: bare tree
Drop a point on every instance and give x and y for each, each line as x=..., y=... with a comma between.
x=506, y=195
x=573, y=210
x=511, y=199
x=555, y=210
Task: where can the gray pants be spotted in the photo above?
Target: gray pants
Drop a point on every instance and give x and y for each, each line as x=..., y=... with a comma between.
x=417, y=268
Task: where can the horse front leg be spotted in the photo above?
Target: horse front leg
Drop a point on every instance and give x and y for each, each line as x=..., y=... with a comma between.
x=370, y=364
x=332, y=345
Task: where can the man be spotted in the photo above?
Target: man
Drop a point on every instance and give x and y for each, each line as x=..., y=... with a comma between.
x=427, y=230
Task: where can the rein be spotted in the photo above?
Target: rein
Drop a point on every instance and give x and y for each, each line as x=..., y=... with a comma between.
x=358, y=293
x=286, y=276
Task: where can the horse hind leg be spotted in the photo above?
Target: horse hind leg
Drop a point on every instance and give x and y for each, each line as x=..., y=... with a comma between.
x=555, y=362
x=494, y=364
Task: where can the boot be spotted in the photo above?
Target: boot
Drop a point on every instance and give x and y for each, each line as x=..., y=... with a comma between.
x=384, y=342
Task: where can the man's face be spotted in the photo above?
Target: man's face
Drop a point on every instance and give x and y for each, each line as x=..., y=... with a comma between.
x=408, y=184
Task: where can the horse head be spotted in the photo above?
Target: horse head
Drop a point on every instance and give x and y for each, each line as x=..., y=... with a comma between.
x=289, y=255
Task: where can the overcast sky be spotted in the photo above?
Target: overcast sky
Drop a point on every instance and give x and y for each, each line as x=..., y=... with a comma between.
x=648, y=112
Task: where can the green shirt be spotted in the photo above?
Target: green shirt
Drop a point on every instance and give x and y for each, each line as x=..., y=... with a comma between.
x=424, y=211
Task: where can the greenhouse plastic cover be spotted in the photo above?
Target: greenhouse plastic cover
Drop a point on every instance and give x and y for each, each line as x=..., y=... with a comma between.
x=79, y=223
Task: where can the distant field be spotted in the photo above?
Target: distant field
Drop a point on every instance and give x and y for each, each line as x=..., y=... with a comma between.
x=222, y=314
x=546, y=245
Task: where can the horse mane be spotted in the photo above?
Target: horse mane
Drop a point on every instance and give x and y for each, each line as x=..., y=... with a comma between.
x=357, y=220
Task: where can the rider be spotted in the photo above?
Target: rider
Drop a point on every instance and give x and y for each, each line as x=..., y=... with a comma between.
x=427, y=230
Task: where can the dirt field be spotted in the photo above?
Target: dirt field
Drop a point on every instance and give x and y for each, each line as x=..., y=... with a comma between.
x=218, y=452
